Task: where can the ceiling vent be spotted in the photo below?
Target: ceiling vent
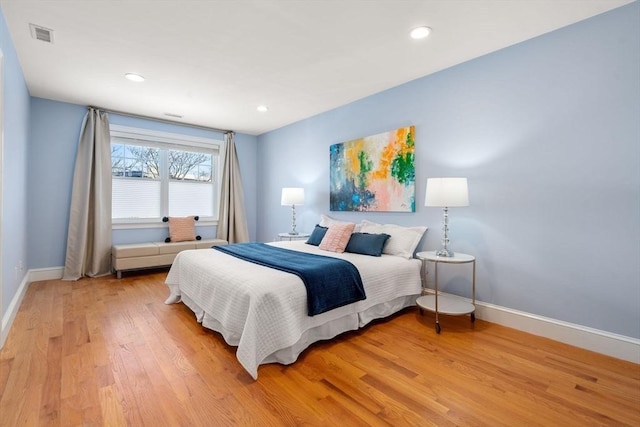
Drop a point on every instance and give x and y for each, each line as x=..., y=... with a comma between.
x=41, y=33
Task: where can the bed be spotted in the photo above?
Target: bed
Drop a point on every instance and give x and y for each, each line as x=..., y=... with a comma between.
x=263, y=311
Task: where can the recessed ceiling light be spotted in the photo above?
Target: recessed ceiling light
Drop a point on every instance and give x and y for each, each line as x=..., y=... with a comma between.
x=420, y=32
x=262, y=108
x=134, y=77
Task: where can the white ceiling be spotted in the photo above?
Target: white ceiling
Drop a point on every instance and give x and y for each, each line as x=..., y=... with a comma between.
x=213, y=62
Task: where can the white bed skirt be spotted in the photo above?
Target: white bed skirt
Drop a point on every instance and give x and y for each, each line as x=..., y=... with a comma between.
x=263, y=311
x=331, y=329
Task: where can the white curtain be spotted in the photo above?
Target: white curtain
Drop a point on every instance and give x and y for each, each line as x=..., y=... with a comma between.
x=89, y=236
x=232, y=222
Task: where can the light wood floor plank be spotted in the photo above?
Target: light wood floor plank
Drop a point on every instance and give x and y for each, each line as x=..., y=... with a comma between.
x=110, y=352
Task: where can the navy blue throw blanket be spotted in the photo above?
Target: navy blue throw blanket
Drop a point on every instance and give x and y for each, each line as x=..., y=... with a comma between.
x=330, y=282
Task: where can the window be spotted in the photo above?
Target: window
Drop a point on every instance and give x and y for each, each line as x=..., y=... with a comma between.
x=156, y=174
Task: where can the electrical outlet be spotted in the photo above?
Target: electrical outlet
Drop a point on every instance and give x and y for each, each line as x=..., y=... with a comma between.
x=18, y=269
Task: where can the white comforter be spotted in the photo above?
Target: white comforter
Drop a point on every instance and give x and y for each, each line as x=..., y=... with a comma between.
x=263, y=311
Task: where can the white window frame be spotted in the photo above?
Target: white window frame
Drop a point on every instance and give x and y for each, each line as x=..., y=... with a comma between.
x=178, y=142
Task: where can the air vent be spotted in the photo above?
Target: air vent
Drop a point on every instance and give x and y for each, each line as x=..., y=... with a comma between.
x=41, y=33
x=177, y=116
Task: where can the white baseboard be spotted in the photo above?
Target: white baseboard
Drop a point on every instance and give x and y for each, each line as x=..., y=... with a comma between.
x=618, y=346
x=38, y=274
x=12, y=310
x=34, y=275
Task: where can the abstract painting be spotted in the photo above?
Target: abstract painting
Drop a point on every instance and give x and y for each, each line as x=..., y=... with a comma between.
x=375, y=173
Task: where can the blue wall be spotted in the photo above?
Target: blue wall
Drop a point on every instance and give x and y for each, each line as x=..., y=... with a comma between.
x=55, y=127
x=14, y=171
x=548, y=134
x=40, y=140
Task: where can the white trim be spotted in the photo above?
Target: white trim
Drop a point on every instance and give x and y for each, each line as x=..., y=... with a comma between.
x=12, y=310
x=2, y=95
x=611, y=344
x=130, y=132
x=608, y=343
x=38, y=274
x=33, y=275
x=136, y=224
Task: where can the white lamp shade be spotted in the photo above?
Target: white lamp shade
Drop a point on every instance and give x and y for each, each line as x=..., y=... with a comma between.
x=292, y=196
x=447, y=192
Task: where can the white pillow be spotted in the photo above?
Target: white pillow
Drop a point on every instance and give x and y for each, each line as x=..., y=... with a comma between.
x=403, y=240
x=326, y=221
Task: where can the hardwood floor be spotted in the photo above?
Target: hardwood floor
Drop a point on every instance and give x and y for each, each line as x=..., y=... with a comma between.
x=110, y=352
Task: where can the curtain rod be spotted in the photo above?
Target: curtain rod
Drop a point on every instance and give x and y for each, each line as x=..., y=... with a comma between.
x=171, y=122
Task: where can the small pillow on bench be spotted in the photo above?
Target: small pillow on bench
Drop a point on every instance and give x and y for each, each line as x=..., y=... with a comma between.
x=181, y=229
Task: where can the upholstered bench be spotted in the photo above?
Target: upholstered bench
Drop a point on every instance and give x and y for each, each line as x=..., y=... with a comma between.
x=158, y=254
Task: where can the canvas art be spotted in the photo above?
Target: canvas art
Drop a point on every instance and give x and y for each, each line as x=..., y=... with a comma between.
x=375, y=173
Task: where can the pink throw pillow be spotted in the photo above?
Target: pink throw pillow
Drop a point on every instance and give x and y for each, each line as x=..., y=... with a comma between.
x=337, y=237
x=182, y=229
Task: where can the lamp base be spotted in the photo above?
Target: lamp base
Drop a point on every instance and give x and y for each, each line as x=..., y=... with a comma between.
x=444, y=252
x=293, y=231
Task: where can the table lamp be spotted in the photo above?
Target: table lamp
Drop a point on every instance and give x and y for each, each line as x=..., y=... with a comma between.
x=292, y=197
x=446, y=193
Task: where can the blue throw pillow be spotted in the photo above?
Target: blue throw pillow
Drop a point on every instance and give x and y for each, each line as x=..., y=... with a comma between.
x=367, y=244
x=317, y=235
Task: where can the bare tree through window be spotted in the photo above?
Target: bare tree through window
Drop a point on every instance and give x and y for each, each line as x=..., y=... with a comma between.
x=135, y=161
x=186, y=165
x=164, y=175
